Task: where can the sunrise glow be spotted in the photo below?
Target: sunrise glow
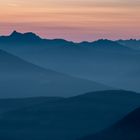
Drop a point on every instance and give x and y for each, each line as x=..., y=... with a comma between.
x=75, y=20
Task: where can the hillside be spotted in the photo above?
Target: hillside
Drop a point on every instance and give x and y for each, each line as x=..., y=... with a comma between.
x=20, y=78
x=126, y=129
x=69, y=118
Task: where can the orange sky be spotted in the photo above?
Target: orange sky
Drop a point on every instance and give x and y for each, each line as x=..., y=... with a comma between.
x=75, y=20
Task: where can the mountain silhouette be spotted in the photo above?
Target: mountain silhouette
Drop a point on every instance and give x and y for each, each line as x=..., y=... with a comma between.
x=29, y=36
x=102, y=61
x=65, y=118
x=105, y=44
x=126, y=129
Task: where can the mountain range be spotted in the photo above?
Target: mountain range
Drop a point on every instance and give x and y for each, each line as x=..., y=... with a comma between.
x=111, y=63
x=20, y=78
x=56, y=89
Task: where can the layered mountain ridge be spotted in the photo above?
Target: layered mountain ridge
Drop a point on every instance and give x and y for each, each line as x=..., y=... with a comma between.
x=104, y=61
x=20, y=78
x=64, y=118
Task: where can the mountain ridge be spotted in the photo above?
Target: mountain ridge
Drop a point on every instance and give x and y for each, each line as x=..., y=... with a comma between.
x=26, y=33
x=103, y=61
x=32, y=36
x=26, y=79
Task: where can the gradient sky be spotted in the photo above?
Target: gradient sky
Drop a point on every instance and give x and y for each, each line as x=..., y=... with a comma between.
x=75, y=20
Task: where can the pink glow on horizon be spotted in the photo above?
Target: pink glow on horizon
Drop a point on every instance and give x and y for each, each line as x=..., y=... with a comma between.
x=75, y=20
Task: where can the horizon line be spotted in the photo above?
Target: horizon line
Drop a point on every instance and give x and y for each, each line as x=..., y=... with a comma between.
x=41, y=37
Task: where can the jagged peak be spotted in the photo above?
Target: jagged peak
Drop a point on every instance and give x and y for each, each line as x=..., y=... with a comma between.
x=15, y=33
x=27, y=34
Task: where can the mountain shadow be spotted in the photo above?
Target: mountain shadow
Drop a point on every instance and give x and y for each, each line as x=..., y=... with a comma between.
x=126, y=129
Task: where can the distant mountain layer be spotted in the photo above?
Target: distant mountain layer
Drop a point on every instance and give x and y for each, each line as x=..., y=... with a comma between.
x=33, y=39
x=64, y=118
x=112, y=63
x=126, y=129
x=19, y=78
x=106, y=44
x=132, y=43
